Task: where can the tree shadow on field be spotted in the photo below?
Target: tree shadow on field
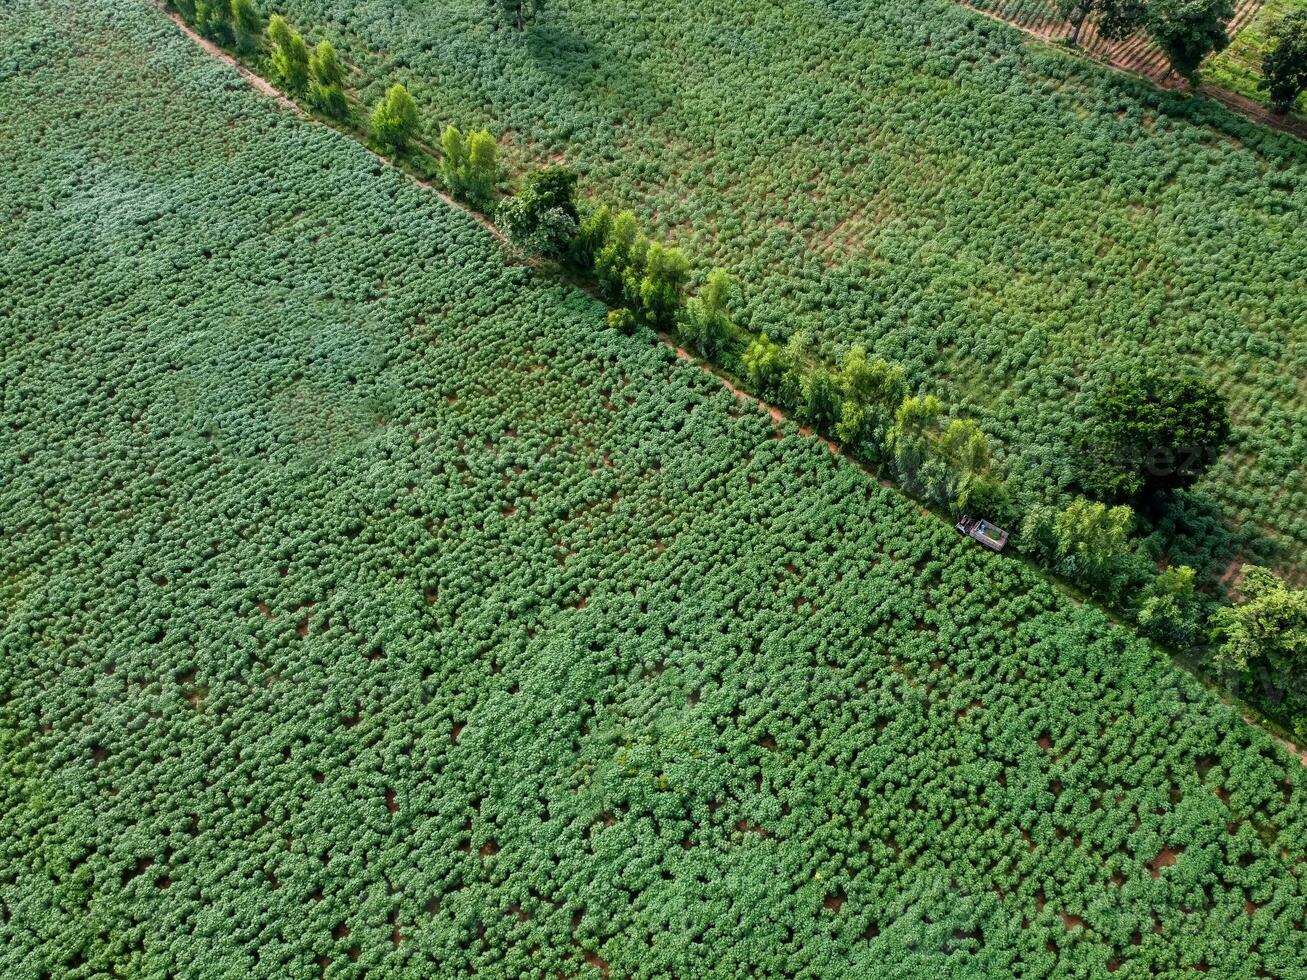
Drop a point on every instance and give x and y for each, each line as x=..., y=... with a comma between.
x=1192, y=529
x=584, y=64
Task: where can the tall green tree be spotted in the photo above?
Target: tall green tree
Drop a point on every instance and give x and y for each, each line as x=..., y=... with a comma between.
x=246, y=24
x=214, y=19
x=1087, y=542
x=617, y=254
x=1170, y=608
x=1148, y=434
x=327, y=79
x=517, y=14
x=1284, y=68
x=483, y=167
x=1188, y=31
x=395, y=119
x=290, y=55
x=764, y=363
x=706, y=323
x=1266, y=634
x=666, y=271
x=908, y=441
x=960, y=455
x=541, y=218
x=821, y=398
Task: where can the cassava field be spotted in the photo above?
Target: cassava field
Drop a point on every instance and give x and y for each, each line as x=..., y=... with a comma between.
x=369, y=608
x=1003, y=219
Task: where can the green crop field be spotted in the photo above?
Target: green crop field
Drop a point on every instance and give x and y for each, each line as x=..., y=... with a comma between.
x=369, y=608
x=1002, y=219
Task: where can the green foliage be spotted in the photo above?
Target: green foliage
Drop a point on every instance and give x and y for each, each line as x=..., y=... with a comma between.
x=1087, y=542
x=214, y=19
x=354, y=579
x=820, y=394
x=1115, y=19
x=518, y=14
x=664, y=273
x=617, y=254
x=1284, y=68
x=962, y=456
x=1150, y=433
x=764, y=364
x=1266, y=633
x=706, y=323
x=541, y=218
x=1170, y=610
x=246, y=24
x=622, y=320
x=327, y=79
x=290, y=55
x=469, y=166
x=908, y=441
x=394, y=120
x=1188, y=31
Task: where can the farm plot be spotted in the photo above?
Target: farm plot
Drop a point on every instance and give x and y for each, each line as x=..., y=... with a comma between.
x=1239, y=67
x=1004, y=221
x=368, y=608
x=1136, y=53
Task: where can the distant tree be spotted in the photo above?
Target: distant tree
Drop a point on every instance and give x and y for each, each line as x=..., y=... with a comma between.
x=666, y=271
x=290, y=55
x=1266, y=633
x=246, y=24
x=764, y=363
x=395, y=118
x=1116, y=19
x=1087, y=542
x=960, y=456
x=327, y=79
x=852, y=427
x=908, y=441
x=1188, y=31
x=616, y=260
x=821, y=398
x=876, y=387
x=1284, y=69
x=706, y=323
x=483, y=166
x=1150, y=433
x=795, y=359
x=516, y=13
x=541, y=218
x=1170, y=609
x=469, y=166
x=453, y=158
x=214, y=18
x=593, y=231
